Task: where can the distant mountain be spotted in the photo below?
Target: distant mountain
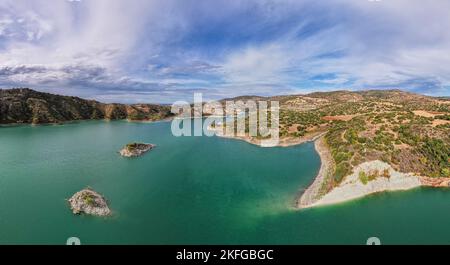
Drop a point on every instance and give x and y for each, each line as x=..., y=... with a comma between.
x=346, y=95
x=316, y=100
x=23, y=105
x=393, y=95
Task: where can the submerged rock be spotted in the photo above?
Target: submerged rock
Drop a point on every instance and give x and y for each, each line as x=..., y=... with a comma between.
x=135, y=149
x=89, y=202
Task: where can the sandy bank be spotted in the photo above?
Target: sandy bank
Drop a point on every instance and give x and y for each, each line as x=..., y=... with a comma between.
x=313, y=193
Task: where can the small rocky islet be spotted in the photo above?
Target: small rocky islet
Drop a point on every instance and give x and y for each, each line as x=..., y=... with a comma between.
x=89, y=202
x=135, y=149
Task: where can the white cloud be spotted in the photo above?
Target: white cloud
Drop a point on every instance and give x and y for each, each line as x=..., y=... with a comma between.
x=167, y=46
x=255, y=64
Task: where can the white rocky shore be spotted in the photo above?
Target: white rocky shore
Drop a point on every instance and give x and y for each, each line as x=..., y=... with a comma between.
x=89, y=202
x=135, y=149
x=353, y=187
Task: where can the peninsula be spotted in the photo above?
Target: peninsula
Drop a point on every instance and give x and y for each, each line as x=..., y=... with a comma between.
x=368, y=141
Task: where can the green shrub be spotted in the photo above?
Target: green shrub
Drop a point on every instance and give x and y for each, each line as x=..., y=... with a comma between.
x=342, y=170
x=363, y=177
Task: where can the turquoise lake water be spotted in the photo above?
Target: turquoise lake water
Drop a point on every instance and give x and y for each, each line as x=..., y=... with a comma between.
x=189, y=190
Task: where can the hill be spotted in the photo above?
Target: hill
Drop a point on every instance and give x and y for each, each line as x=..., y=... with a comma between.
x=407, y=131
x=23, y=105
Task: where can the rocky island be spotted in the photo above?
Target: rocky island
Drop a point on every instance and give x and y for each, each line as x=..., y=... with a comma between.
x=89, y=202
x=135, y=149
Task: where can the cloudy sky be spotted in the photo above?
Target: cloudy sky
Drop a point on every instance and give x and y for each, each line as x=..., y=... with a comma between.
x=164, y=50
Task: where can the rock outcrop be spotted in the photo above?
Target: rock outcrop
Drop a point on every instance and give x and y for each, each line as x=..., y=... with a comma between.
x=358, y=185
x=89, y=202
x=135, y=149
x=435, y=182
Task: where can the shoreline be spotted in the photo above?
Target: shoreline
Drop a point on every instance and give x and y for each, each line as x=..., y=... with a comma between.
x=352, y=187
x=286, y=142
x=148, y=121
x=18, y=124
x=327, y=166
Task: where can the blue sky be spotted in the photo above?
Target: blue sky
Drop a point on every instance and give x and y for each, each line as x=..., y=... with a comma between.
x=162, y=51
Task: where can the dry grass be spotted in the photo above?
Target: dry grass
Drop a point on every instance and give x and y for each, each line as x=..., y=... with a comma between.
x=338, y=118
x=438, y=122
x=427, y=114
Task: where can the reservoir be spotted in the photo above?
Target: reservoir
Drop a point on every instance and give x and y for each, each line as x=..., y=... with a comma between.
x=189, y=190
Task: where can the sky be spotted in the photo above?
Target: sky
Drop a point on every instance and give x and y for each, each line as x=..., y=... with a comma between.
x=160, y=51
